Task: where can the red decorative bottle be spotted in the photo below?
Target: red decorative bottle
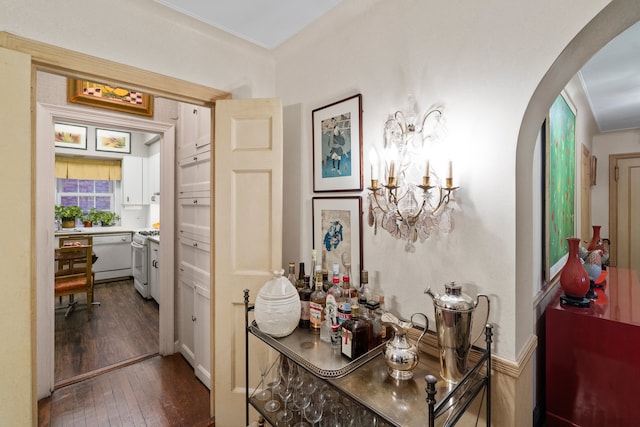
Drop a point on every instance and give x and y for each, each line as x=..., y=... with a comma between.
x=573, y=278
x=595, y=240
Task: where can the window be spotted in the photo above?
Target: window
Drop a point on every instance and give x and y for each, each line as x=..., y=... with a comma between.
x=86, y=193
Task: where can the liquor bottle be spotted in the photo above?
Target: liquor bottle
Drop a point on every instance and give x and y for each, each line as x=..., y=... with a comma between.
x=317, y=304
x=373, y=317
x=335, y=289
x=326, y=284
x=364, y=288
x=355, y=335
x=300, y=281
x=305, y=299
x=349, y=291
x=314, y=263
x=386, y=331
x=292, y=274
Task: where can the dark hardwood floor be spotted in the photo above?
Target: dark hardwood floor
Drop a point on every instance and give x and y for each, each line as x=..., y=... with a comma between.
x=159, y=391
x=123, y=327
x=108, y=371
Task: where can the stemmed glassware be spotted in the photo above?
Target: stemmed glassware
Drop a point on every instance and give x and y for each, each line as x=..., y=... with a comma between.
x=274, y=374
x=313, y=411
x=288, y=372
x=264, y=367
x=302, y=395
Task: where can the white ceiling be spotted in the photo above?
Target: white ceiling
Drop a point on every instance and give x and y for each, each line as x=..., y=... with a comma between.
x=266, y=23
x=611, y=79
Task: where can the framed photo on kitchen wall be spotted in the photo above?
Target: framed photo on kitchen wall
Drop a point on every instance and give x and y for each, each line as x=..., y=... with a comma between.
x=70, y=136
x=112, y=140
x=560, y=183
x=337, y=146
x=337, y=233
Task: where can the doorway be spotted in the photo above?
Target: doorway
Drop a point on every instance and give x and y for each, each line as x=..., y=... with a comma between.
x=47, y=115
x=624, y=210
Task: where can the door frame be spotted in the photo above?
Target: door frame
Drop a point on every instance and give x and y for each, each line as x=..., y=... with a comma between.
x=56, y=60
x=613, y=203
x=46, y=116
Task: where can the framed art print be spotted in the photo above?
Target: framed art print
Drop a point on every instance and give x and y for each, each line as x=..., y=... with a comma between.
x=337, y=146
x=111, y=98
x=337, y=233
x=111, y=140
x=560, y=185
x=70, y=136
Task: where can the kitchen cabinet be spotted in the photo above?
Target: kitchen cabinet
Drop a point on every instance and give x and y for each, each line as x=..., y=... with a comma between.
x=195, y=320
x=153, y=177
x=154, y=269
x=195, y=253
x=592, y=354
x=194, y=130
x=114, y=255
x=366, y=385
x=194, y=175
x=133, y=181
x=194, y=218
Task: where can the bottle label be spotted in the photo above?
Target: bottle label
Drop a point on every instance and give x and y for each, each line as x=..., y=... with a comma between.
x=316, y=315
x=344, y=312
x=347, y=340
x=304, y=310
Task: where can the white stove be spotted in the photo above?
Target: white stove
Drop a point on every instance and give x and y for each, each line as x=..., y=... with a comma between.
x=140, y=261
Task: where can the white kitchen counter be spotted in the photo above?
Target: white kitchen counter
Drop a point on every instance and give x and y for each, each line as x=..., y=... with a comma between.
x=93, y=230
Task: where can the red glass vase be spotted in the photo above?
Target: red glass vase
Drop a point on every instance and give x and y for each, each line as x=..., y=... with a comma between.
x=595, y=240
x=573, y=277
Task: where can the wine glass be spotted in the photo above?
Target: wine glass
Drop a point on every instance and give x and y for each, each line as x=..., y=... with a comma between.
x=285, y=391
x=274, y=375
x=301, y=398
x=313, y=411
x=264, y=367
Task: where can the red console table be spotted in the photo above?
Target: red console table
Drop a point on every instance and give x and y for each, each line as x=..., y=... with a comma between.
x=593, y=357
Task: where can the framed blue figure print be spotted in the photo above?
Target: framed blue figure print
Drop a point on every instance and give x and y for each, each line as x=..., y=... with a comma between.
x=337, y=233
x=337, y=146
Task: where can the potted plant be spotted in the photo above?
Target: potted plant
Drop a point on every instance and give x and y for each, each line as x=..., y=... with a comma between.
x=90, y=217
x=106, y=218
x=68, y=215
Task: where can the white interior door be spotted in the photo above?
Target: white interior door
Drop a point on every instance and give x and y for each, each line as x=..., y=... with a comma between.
x=628, y=219
x=247, y=234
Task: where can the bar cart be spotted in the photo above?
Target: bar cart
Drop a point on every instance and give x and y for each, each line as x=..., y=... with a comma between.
x=365, y=383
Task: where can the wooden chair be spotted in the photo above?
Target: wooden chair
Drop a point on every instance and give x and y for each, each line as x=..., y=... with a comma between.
x=74, y=274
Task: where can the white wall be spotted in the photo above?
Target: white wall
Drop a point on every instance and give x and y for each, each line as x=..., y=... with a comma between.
x=147, y=35
x=605, y=144
x=482, y=61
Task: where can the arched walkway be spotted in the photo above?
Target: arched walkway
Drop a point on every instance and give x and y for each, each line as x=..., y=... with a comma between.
x=611, y=21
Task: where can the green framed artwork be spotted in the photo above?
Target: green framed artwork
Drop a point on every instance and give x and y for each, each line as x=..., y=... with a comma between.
x=560, y=174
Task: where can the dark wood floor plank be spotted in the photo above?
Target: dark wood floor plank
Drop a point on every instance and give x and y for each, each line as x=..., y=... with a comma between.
x=124, y=326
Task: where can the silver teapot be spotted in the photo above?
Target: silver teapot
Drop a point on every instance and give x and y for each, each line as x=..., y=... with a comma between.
x=454, y=313
x=400, y=355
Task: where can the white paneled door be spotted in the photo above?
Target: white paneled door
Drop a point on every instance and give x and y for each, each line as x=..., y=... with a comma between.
x=628, y=218
x=248, y=234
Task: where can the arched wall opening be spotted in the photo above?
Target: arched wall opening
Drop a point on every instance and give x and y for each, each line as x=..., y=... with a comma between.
x=610, y=22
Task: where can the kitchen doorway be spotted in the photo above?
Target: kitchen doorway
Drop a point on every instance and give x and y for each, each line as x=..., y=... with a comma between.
x=47, y=115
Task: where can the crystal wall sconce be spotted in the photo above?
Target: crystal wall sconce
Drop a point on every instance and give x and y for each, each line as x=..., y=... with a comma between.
x=413, y=202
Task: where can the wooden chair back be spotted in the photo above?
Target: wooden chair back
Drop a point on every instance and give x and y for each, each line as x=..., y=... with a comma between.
x=78, y=267
x=74, y=272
